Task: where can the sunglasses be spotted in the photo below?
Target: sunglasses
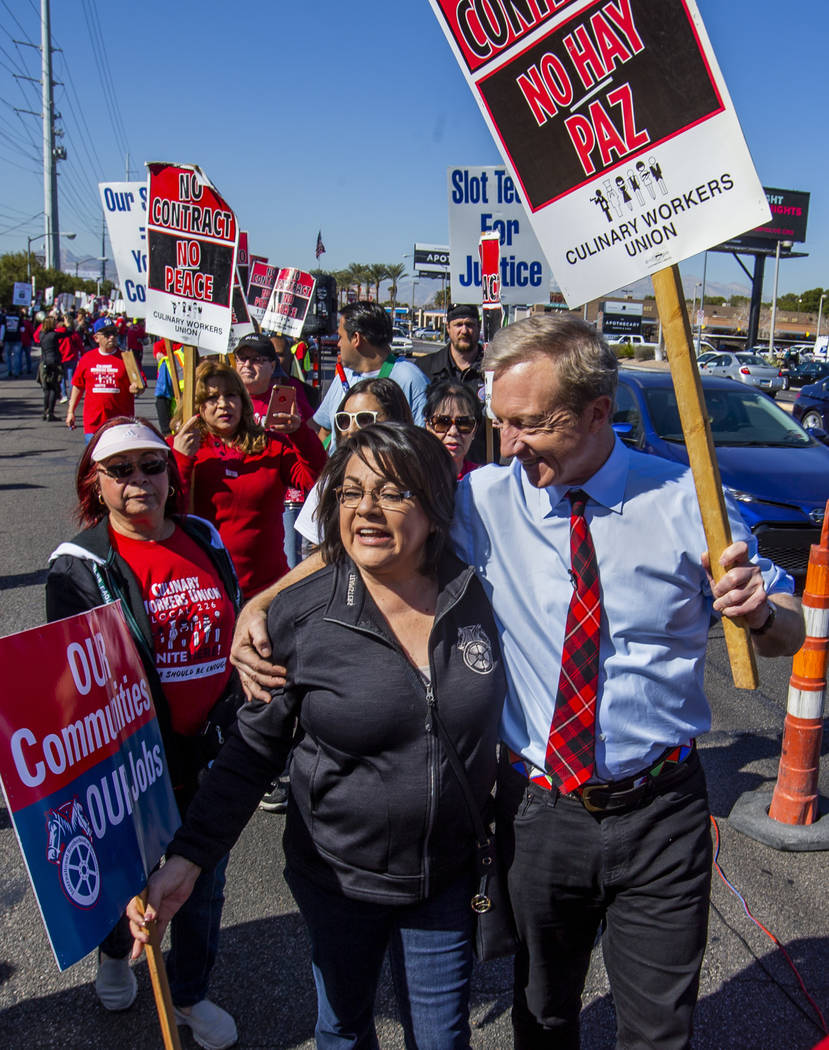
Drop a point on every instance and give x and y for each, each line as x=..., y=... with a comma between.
x=343, y=420
x=252, y=359
x=124, y=471
x=440, y=424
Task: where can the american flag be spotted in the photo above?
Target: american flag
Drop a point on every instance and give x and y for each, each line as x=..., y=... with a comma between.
x=320, y=246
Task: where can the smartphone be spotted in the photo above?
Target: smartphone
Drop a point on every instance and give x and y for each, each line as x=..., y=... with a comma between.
x=282, y=402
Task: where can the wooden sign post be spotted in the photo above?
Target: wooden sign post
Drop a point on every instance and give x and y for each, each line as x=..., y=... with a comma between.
x=161, y=986
x=188, y=396
x=133, y=371
x=670, y=302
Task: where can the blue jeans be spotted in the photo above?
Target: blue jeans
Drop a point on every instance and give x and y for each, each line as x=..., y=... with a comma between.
x=14, y=358
x=293, y=540
x=66, y=382
x=194, y=938
x=430, y=951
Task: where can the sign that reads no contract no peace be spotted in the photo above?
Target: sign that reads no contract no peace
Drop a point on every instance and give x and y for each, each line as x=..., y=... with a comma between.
x=615, y=122
x=192, y=240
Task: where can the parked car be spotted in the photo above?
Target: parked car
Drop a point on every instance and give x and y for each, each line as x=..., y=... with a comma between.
x=745, y=368
x=811, y=407
x=777, y=473
x=804, y=373
x=400, y=342
x=426, y=333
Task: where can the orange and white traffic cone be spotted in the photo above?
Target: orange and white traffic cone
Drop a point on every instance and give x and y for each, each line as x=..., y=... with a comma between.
x=794, y=800
x=790, y=817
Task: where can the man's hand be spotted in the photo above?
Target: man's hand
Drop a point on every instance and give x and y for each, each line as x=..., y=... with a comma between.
x=741, y=593
x=251, y=646
x=167, y=890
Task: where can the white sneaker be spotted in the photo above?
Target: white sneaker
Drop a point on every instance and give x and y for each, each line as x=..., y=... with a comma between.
x=212, y=1027
x=115, y=983
x=63, y=400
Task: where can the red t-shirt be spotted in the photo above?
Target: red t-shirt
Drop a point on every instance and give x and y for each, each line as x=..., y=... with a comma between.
x=192, y=621
x=105, y=385
x=243, y=496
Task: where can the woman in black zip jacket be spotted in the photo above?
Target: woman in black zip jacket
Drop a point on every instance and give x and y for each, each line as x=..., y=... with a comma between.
x=392, y=635
x=50, y=372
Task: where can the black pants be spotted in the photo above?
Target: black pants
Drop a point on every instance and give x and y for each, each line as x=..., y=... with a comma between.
x=51, y=393
x=646, y=873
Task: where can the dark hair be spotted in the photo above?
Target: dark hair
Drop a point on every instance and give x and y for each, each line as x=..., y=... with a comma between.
x=451, y=390
x=409, y=457
x=370, y=320
x=391, y=397
x=90, y=509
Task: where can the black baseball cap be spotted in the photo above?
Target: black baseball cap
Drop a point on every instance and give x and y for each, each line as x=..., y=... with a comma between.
x=458, y=310
x=261, y=344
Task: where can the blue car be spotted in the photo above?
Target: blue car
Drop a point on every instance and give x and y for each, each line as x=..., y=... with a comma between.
x=812, y=406
x=778, y=473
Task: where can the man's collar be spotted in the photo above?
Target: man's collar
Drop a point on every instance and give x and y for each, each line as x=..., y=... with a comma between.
x=606, y=486
x=475, y=361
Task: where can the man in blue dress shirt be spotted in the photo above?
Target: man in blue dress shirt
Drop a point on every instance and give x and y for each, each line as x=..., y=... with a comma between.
x=631, y=847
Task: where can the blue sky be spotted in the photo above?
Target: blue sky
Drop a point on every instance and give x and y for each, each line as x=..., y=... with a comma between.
x=344, y=117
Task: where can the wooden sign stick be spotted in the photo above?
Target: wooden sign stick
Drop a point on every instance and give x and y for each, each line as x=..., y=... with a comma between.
x=188, y=396
x=161, y=986
x=670, y=302
x=133, y=371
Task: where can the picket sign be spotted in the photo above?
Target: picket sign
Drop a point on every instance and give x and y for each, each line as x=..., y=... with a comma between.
x=696, y=430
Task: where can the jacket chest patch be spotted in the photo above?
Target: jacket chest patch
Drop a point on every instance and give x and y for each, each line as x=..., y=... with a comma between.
x=476, y=648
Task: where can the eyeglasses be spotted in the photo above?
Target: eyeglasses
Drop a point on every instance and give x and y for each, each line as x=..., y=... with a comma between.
x=343, y=420
x=124, y=471
x=254, y=359
x=351, y=496
x=440, y=424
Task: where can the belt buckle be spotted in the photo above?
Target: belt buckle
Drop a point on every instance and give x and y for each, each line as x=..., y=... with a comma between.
x=594, y=797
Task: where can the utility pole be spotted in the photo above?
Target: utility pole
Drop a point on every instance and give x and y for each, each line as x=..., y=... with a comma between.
x=50, y=176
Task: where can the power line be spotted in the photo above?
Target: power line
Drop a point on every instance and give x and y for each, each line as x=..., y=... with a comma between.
x=100, y=54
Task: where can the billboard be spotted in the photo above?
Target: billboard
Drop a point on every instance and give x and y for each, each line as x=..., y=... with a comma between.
x=431, y=260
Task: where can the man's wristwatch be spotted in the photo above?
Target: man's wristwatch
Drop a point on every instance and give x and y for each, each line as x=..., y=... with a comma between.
x=769, y=620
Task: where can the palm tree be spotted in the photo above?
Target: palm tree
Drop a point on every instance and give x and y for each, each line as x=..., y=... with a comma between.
x=343, y=279
x=359, y=275
x=377, y=273
x=394, y=271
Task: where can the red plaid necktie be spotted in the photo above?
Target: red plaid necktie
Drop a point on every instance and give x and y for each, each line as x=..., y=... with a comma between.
x=569, y=758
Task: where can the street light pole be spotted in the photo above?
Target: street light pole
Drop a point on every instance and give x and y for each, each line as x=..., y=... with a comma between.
x=31, y=241
x=702, y=303
x=819, y=316
x=780, y=244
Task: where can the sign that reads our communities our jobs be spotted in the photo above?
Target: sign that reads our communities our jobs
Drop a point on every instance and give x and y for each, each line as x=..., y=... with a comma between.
x=615, y=122
x=485, y=200
x=125, y=209
x=192, y=239
x=84, y=772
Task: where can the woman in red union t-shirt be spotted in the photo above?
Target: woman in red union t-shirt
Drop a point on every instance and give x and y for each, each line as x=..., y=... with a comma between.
x=180, y=596
x=237, y=473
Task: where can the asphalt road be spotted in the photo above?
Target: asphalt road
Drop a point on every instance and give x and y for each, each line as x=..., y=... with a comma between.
x=749, y=998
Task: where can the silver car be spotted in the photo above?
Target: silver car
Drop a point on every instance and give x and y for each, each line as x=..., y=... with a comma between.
x=745, y=368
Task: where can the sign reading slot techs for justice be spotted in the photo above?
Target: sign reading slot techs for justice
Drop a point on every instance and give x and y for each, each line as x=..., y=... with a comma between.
x=485, y=200
x=615, y=122
x=192, y=238
x=125, y=208
x=84, y=773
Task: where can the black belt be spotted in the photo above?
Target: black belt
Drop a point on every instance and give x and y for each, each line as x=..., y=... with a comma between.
x=617, y=796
